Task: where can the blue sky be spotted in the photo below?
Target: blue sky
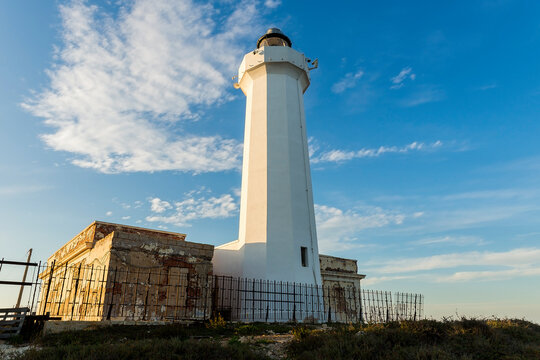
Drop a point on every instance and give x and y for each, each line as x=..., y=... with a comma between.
x=422, y=119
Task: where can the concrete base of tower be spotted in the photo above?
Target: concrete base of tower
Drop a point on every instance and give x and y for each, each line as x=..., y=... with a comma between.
x=259, y=261
x=246, y=291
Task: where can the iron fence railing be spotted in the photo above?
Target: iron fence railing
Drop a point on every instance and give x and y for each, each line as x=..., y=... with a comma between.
x=86, y=292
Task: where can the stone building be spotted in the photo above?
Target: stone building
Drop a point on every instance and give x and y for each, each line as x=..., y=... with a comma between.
x=339, y=272
x=341, y=284
x=117, y=272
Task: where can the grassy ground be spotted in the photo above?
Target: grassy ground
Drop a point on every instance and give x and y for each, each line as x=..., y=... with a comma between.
x=200, y=341
x=428, y=339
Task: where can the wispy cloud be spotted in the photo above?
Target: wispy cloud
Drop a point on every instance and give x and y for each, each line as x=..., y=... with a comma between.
x=487, y=87
x=454, y=219
x=511, y=263
x=398, y=80
x=469, y=215
x=494, y=194
x=490, y=274
x=342, y=155
x=461, y=240
x=192, y=208
x=272, y=4
x=370, y=280
x=120, y=83
x=347, y=82
x=423, y=96
x=339, y=230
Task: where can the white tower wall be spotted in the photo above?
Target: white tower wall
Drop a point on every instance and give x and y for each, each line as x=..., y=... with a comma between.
x=276, y=209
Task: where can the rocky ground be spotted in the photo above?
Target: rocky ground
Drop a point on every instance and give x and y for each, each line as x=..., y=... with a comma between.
x=274, y=346
x=8, y=350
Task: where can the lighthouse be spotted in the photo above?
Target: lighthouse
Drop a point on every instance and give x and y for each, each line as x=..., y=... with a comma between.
x=277, y=237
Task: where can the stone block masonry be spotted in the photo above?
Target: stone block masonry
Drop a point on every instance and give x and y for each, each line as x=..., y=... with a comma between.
x=339, y=276
x=118, y=272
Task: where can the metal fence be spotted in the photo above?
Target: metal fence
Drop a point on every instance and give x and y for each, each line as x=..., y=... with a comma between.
x=272, y=301
x=82, y=292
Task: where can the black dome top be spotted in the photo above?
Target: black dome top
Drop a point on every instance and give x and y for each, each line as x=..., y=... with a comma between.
x=274, y=37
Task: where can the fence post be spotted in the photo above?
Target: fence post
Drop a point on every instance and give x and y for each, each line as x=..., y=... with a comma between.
x=386, y=305
x=274, y=302
x=205, y=296
x=35, y=286
x=112, y=294
x=146, y=295
x=24, y=279
x=76, y=288
x=100, y=305
x=88, y=292
x=360, y=294
x=62, y=290
x=294, y=301
x=415, y=295
x=329, y=313
x=48, y=287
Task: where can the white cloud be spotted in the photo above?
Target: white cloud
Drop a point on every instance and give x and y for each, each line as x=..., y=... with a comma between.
x=522, y=258
x=158, y=206
x=368, y=281
x=456, y=267
x=272, y=4
x=121, y=83
x=349, y=81
x=461, y=240
x=108, y=213
x=398, y=80
x=490, y=275
x=339, y=230
x=192, y=208
x=237, y=191
x=469, y=215
x=342, y=156
x=126, y=217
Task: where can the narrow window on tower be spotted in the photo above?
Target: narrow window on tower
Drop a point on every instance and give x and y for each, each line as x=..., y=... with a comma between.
x=303, y=252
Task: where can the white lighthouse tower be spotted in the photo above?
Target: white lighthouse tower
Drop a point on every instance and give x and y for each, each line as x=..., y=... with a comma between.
x=277, y=236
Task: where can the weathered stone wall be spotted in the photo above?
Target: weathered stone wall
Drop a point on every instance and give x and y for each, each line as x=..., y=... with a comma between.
x=118, y=272
x=339, y=271
x=341, y=283
x=177, y=276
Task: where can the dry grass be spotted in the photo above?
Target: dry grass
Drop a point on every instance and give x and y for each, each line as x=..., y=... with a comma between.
x=427, y=339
